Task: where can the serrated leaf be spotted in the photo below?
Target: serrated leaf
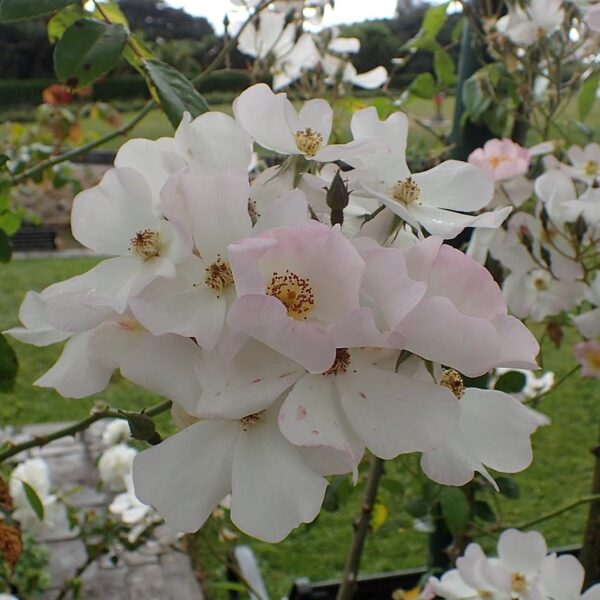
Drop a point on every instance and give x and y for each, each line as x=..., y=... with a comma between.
x=455, y=508
x=511, y=382
x=34, y=500
x=337, y=492
x=62, y=20
x=445, y=69
x=5, y=249
x=434, y=19
x=379, y=515
x=17, y=10
x=457, y=30
x=423, y=86
x=508, y=487
x=9, y=366
x=174, y=92
x=88, y=49
x=587, y=95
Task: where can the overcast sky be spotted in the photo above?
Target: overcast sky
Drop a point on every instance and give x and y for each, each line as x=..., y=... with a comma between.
x=346, y=11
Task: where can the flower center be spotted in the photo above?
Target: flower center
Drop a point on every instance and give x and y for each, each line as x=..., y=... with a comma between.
x=406, y=191
x=145, y=244
x=218, y=276
x=309, y=142
x=518, y=582
x=294, y=292
x=496, y=160
x=253, y=211
x=250, y=420
x=540, y=283
x=454, y=382
x=594, y=358
x=591, y=167
x=341, y=362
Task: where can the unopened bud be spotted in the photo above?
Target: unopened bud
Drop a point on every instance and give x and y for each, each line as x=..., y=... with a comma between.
x=142, y=427
x=338, y=196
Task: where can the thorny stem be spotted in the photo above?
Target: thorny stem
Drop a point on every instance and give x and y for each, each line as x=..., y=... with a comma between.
x=361, y=528
x=105, y=413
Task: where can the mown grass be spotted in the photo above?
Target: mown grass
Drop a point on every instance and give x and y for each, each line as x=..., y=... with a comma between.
x=561, y=469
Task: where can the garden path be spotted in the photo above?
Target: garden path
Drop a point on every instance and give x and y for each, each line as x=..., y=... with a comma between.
x=157, y=571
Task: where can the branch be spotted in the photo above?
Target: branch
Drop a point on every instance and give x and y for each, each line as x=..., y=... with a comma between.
x=361, y=528
x=106, y=413
x=40, y=167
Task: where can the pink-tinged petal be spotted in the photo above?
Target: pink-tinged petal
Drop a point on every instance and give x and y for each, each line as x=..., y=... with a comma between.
x=455, y=185
x=253, y=379
x=154, y=160
x=394, y=414
x=356, y=329
x=387, y=284
x=588, y=323
x=73, y=375
x=420, y=257
x=166, y=365
x=436, y=331
x=316, y=115
x=562, y=577
x=213, y=207
x=106, y=217
x=289, y=209
x=273, y=490
x=213, y=142
x=188, y=474
x=357, y=152
x=466, y=283
x=183, y=305
x=265, y=318
x=522, y=552
x=112, y=341
x=311, y=416
x=518, y=346
x=243, y=257
x=497, y=428
x=36, y=331
x=266, y=117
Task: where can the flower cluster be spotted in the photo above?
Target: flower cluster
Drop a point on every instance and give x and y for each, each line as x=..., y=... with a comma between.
x=287, y=345
x=522, y=570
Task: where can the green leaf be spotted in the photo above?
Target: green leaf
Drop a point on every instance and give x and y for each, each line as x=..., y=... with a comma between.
x=16, y=10
x=423, y=86
x=434, y=19
x=480, y=382
x=485, y=512
x=62, y=20
x=34, y=500
x=455, y=508
x=175, y=93
x=508, y=487
x=8, y=366
x=587, y=95
x=457, y=30
x=337, y=492
x=379, y=515
x=10, y=222
x=445, y=70
x=3, y=160
x=142, y=427
x=474, y=98
x=88, y=49
x=5, y=249
x=511, y=382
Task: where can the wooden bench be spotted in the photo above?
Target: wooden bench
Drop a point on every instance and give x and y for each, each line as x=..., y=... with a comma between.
x=33, y=238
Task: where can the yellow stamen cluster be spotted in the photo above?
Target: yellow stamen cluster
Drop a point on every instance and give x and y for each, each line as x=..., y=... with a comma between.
x=309, y=142
x=294, y=292
x=518, y=582
x=539, y=283
x=496, y=160
x=591, y=167
x=145, y=244
x=406, y=191
x=341, y=362
x=454, y=382
x=218, y=276
x=252, y=211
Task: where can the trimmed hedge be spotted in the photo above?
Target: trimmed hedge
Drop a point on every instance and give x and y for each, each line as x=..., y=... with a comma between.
x=16, y=93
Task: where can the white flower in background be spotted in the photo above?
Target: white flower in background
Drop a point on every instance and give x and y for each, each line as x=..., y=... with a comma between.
x=114, y=465
x=267, y=35
x=588, y=356
x=562, y=579
x=115, y=432
x=273, y=122
x=588, y=322
x=34, y=472
x=585, y=163
x=343, y=71
x=128, y=508
x=593, y=17
x=538, y=19
x=534, y=386
x=301, y=58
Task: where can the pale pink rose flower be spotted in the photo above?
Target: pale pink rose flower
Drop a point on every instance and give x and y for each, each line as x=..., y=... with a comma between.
x=588, y=356
x=501, y=159
x=593, y=17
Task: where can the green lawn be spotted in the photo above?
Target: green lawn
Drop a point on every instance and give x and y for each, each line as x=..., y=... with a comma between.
x=561, y=469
